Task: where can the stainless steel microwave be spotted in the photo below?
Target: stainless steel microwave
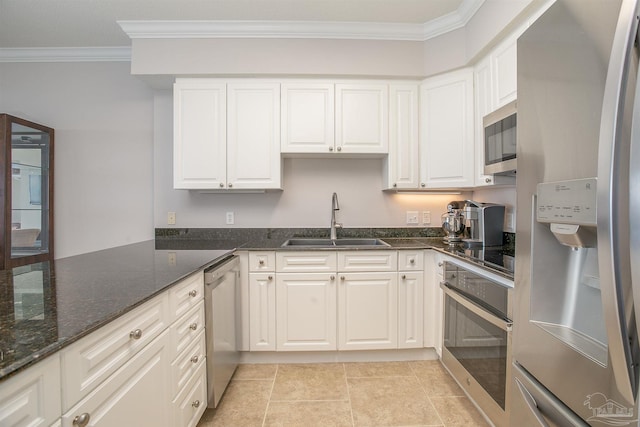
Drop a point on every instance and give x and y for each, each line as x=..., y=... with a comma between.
x=500, y=140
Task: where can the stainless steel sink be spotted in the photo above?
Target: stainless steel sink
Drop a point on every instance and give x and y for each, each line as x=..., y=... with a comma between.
x=328, y=243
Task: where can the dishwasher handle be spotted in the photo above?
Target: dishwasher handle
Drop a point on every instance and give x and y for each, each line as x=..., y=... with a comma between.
x=214, y=273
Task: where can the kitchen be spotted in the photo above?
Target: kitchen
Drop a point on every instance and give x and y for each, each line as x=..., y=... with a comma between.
x=89, y=214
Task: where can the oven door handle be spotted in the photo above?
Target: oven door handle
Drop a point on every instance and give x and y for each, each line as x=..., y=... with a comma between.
x=476, y=309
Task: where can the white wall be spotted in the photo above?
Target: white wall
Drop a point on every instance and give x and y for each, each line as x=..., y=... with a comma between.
x=305, y=201
x=102, y=118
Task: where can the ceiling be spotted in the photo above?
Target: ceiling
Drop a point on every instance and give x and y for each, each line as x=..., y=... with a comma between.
x=92, y=23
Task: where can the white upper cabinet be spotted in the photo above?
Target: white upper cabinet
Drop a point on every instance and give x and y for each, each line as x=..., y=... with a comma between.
x=446, y=126
x=362, y=116
x=505, y=69
x=199, y=134
x=226, y=136
x=402, y=165
x=253, y=136
x=308, y=118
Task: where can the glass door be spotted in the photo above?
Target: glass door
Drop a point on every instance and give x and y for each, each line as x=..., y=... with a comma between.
x=28, y=188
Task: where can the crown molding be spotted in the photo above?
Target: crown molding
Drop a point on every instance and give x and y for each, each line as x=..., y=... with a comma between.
x=302, y=29
x=66, y=54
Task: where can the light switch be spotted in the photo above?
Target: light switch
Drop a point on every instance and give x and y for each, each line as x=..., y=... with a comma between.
x=171, y=218
x=172, y=260
x=426, y=217
x=412, y=218
x=230, y=218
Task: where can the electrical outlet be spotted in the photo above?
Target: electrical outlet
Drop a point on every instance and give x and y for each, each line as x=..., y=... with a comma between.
x=412, y=218
x=426, y=217
x=172, y=259
x=230, y=218
x=171, y=218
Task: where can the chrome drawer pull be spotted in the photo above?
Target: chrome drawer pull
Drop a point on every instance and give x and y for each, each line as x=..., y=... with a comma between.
x=194, y=359
x=193, y=326
x=196, y=403
x=193, y=293
x=135, y=334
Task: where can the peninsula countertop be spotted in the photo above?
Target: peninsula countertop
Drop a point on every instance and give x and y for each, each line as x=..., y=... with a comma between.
x=47, y=306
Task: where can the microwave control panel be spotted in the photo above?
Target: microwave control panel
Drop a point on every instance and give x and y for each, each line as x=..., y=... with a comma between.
x=568, y=202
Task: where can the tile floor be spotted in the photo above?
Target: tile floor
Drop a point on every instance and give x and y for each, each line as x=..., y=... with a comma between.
x=415, y=393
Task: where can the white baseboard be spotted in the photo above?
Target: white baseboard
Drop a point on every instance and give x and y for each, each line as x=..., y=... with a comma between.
x=338, y=356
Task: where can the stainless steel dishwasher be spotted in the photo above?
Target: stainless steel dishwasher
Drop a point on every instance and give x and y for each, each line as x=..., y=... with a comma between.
x=220, y=284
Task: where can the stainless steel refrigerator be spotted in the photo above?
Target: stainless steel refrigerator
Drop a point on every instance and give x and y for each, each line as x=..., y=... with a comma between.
x=575, y=340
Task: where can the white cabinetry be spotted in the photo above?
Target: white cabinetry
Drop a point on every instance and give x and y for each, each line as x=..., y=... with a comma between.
x=308, y=118
x=433, y=300
x=226, y=136
x=340, y=118
x=504, y=63
x=32, y=397
x=199, y=134
x=138, y=369
x=367, y=300
x=362, y=116
x=262, y=301
x=402, y=165
x=410, y=298
x=447, y=145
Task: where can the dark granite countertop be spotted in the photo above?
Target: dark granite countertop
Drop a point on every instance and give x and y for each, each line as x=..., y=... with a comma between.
x=47, y=306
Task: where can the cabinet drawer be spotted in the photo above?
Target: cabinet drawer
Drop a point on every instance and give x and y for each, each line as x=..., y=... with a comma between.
x=308, y=262
x=262, y=261
x=368, y=260
x=185, y=330
x=186, y=295
x=410, y=260
x=191, y=403
x=32, y=397
x=90, y=361
x=187, y=363
x=137, y=394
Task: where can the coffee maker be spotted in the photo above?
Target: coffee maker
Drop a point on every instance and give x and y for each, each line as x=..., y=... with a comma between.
x=483, y=223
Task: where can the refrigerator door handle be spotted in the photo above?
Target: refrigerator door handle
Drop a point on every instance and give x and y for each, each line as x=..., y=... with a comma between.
x=612, y=201
x=531, y=404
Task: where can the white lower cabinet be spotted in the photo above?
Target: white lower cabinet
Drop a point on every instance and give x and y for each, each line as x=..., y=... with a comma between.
x=191, y=402
x=367, y=311
x=32, y=397
x=410, y=298
x=306, y=311
x=262, y=312
x=138, y=393
x=433, y=300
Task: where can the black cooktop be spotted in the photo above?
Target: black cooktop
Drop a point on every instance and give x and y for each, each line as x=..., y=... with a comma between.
x=494, y=257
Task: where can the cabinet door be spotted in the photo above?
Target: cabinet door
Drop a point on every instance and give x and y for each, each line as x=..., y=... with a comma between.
x=138, y=394
x=367, y=311
x=446, y=109
x=199, y=134
x=483, y=88
x=308, y=124
x=402, y=163
x=262, y=312
x=253, y=136
x=410, y=309
x=306, y=307
x=362, y=118
x=505, y=69
x=433, y=300
x=32, y=397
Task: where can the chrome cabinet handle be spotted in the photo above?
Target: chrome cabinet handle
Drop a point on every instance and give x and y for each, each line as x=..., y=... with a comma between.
x=193, y=293
x=395, y=185
x=341, y=277
x=196, y=403
x=339, y=148
x=193, y=326
x=221, y=184
x=487, y=180
x=330, y=148
x=135, y=334
x=332, y=277
x=261, y=262
x=194, y=359
x=412, y=261
x=269, y=278
x=230, y=185
x=81, y=420
x=440, y=264
x=404, y=277
x=422, y=184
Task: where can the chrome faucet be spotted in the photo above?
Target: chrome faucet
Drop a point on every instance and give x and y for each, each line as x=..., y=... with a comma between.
x=334, y=225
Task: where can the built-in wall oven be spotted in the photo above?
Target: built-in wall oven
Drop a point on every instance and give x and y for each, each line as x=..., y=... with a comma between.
x=477, y=335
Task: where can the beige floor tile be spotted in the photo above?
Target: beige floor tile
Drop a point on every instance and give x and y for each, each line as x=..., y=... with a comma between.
x=458, y=412
x=244, y=404
x=390, y=401
x=382, y=369
x=435, y=379
x=309, y=413
x=255, y=372
x=310, y=382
